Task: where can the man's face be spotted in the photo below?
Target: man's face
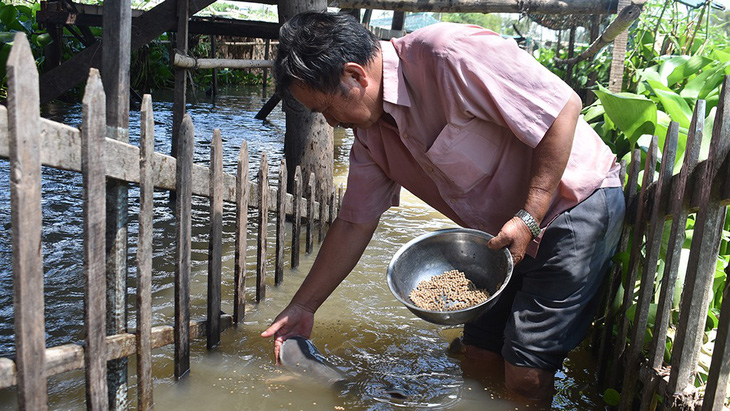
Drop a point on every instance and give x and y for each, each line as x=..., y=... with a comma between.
x=351, y=106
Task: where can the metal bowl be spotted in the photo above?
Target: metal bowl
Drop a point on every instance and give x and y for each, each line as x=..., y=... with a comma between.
x=434, y=253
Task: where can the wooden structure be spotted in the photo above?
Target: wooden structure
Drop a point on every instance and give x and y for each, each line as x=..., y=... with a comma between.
x=29, y=142
x=702, y=189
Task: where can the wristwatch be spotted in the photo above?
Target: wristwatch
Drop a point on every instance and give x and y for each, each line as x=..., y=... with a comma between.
x=529, y=221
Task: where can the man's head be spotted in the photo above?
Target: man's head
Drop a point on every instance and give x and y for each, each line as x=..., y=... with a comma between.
x=326, y=61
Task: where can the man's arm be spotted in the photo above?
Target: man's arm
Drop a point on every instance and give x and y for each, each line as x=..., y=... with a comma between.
x=341, y=250
x=549, y=159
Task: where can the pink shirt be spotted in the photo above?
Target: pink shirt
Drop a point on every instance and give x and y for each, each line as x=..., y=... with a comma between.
x=470, y=107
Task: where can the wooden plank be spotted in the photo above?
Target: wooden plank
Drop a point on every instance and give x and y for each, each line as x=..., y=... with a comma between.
x=26, y=223
x=603, y=354
x=311, y=189
x=679, y=199
x=263, y=182
x=93, y=133
x=70, y=357
x=702, y=257
x=483, y=6
x=179, y=99
x=636, y=247
x=280, y=223
x=183, y=247
x=145, y=399
x=297, y=221
x=215, y=241
x=717, y=379
x=242, y=201
x=615, y=83
x=649, y=268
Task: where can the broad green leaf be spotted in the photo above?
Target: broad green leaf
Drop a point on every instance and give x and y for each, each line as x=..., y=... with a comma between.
x=721, y=55
x=674, y=105
x=688, y=68
x=6, y=37
x=593, y=112
x=633, y=114
x=8, y=15
x=42, y=40
x=701, y=85
x=668, y=65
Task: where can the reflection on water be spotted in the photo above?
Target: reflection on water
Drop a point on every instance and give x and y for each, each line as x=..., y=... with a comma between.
x=393, y=359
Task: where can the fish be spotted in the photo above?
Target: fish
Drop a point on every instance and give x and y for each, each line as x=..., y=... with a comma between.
x=299, y=354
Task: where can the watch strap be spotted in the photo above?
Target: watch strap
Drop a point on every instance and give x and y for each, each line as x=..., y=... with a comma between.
x=529, y=221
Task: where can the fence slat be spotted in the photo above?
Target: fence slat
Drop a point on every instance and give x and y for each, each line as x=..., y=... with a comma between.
x=280, y=220
x=717, y=378
x=312, y=188
x=703, y=253
x=145, y=399
x=636, y=245
x=242, y=193
x=649, y=268
x=25, y=199
x=215, y=241
x=614, y=281
x=297, y=222
x=94, y=198
x=183, y=235
x=263, y=180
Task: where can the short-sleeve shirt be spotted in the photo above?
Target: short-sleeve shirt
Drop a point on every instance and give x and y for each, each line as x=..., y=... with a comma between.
x=470, y=107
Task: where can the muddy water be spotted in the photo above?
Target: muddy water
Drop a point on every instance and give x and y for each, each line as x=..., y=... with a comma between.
x=362, y=329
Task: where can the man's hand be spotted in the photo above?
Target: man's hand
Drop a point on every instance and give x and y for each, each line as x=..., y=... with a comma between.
x=294, y=320
x=515, y=236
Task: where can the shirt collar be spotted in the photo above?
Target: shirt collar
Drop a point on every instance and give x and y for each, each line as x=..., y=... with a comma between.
x=394, y=85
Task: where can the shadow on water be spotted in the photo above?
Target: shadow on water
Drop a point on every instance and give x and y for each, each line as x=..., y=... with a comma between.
x=393, y=359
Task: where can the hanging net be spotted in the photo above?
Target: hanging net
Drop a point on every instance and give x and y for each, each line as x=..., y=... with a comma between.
x=559, y=22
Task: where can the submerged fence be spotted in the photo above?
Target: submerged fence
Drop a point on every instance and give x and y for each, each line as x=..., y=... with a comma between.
x=30, y=142
x=657, y=212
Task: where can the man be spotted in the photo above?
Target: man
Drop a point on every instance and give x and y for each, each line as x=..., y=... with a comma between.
x=483, y=133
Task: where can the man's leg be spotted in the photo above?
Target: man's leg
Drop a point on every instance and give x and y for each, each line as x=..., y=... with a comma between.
x=554, y=303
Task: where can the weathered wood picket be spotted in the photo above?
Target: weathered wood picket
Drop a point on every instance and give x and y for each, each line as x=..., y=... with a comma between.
x=702, y=188
x=30, y=141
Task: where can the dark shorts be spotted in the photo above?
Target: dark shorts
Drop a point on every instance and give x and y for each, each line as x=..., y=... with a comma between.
x=551, y=300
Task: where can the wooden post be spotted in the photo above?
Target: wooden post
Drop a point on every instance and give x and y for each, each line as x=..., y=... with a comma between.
x=616, y=80
x=702, y=256
x=311, y=188
x=296, y=227
x=280, y=220
x=264, y=83
x=322, y=211
x=144, y=257
x=263, y=180
x=242, y=193
x=183, y=234
x=24, y=130
x=214, y=71
x=649, y=268
x=215, y=241
x=115, y=64
x=717, y=378
x=399, y=20
x=309, y=140
x=93, y=132
x=178, y=105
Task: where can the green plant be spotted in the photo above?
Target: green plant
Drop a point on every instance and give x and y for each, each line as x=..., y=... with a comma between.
x=19, y=18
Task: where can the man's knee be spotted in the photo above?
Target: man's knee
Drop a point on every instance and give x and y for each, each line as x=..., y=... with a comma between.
x=533, y=383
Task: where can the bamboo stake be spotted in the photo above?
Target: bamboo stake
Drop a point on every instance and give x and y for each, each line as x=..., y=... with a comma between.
x=242, y=193
x=280, y=220
x=297, y=223
x=263, y=180
x=215, y=242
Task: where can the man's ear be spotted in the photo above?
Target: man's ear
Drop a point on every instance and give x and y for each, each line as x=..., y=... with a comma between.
x=356, y=72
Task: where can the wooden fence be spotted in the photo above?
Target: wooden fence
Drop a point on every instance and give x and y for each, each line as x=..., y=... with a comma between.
x=30, y=141
x=664, y=200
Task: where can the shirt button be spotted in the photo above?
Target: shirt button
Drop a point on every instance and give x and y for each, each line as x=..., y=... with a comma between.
x=452, y=201
x=430, y=169
x=405, y=136
x=480, y=226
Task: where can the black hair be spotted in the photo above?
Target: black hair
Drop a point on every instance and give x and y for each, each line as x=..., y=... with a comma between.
x=314, y=47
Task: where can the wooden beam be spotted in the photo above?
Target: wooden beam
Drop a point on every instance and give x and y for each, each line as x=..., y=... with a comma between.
x=183, y=61
x=484, y=6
